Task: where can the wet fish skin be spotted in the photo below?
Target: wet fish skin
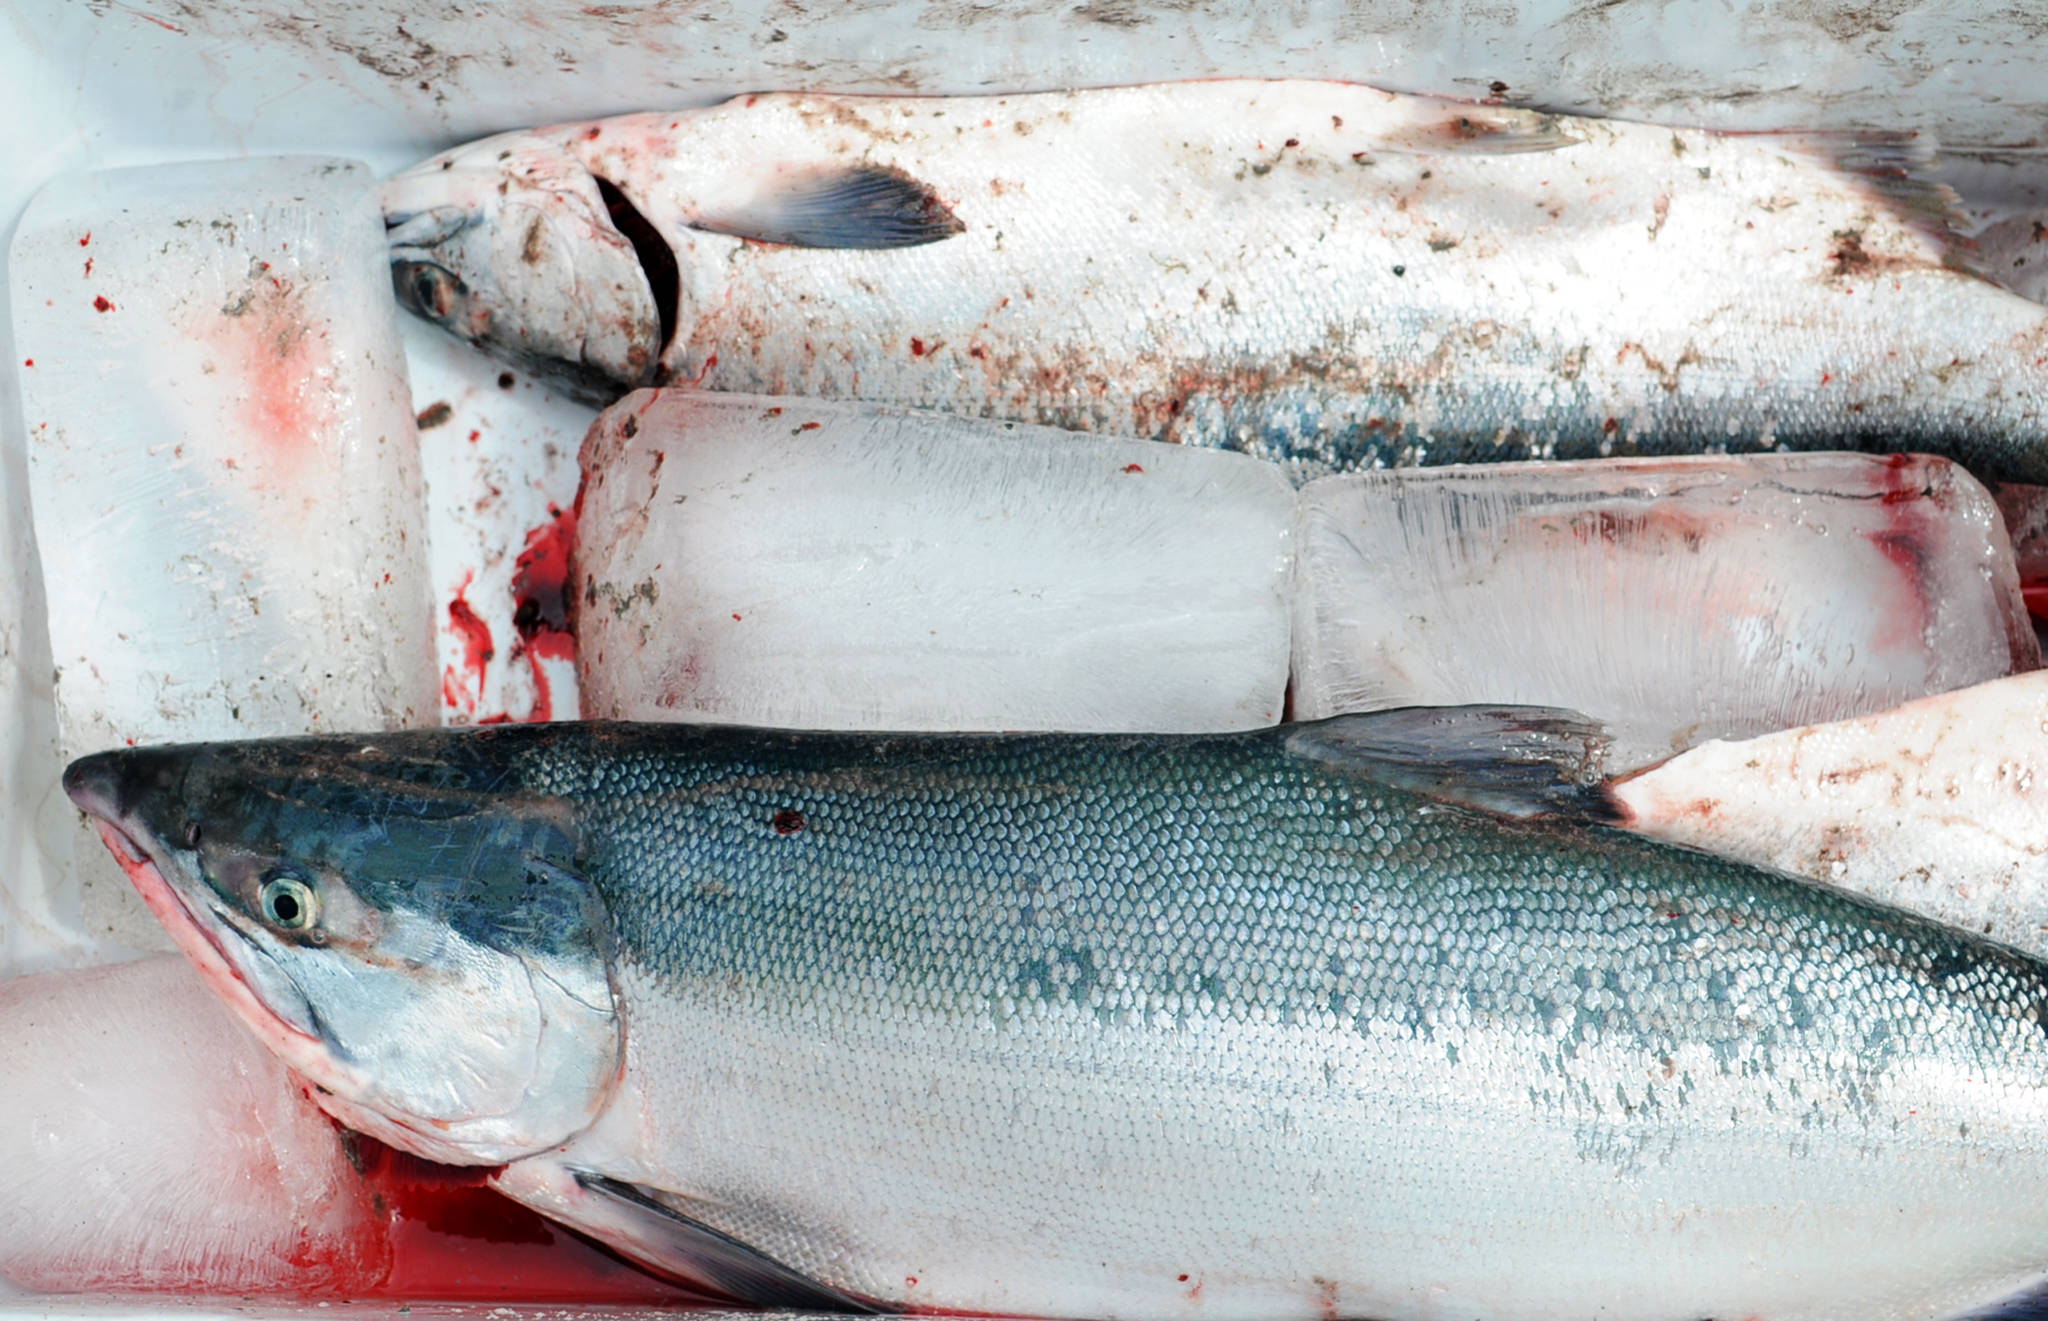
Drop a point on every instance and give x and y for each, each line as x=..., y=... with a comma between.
x=1146, y=1026
x=1320, y=273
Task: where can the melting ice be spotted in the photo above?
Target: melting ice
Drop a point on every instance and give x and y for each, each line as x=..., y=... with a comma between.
x=1677, y=600
x=841, y=566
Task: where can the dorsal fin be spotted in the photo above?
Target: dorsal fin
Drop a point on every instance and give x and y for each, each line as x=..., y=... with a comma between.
x=1519, y=761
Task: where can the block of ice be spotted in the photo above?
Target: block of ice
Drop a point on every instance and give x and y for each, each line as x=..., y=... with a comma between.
x=222, y=460
x=1676, y=600
x=150, y=1142
x=841, y=566
x=222, y=463
x=1939, y=806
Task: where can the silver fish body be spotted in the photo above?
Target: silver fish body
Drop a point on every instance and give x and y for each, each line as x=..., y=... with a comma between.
x=1128, y=1027
x=1321, y=273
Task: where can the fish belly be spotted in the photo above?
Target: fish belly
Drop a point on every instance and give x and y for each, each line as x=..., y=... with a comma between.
x=1055, y=1169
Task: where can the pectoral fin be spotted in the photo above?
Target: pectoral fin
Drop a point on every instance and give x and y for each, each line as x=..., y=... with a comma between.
x=850, y=206
x=655, y=1229
x=688, y=1248
x=1520, y=761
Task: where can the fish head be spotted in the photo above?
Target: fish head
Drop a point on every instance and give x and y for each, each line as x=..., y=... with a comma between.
x=394, y=920
x=509, y=243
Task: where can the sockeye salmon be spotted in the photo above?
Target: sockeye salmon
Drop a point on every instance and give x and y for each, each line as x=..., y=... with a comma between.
x=1364, y=1018
x=1320, y=273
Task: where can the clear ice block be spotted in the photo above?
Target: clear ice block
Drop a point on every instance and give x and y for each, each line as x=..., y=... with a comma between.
x=151, y=1143
x=1936, y=806
x=222, y=457
x=1675, y=600
x=840, y=566
x=222, y=461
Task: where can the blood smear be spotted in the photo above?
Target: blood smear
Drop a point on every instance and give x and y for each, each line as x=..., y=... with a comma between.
x=452, y=1238
x=541, y=615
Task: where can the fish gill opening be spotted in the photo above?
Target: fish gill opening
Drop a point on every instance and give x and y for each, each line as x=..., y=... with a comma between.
x=657, y=259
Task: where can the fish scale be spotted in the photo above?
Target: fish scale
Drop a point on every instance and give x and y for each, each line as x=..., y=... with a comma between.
x=928, y=983
x=1260, y=1025
x=1321, y=274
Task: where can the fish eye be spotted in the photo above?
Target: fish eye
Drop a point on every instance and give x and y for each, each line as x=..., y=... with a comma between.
x=289, y=904
x=430, y=289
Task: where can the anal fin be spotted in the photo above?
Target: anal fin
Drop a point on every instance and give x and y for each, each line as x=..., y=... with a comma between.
x=838, y=206
x=671, y=1241
x=1519, y=761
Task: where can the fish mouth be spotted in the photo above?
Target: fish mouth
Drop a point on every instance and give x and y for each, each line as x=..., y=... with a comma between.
x=290, y=1028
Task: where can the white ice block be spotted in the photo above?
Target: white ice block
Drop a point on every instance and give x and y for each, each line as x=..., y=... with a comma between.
x=222, y=459
x=1676, y=600
x=222, y=466
x=1939, y=806
x=149, y=1142
x=839, y=566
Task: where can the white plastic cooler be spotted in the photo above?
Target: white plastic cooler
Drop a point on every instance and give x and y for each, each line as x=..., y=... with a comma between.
x=96, y=84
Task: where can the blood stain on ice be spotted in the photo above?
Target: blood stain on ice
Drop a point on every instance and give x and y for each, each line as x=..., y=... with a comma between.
x=477, y=651
x=540, y=613
x=452, y=1237
x=284, y=363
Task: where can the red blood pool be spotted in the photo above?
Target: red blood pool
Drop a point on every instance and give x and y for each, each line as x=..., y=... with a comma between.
x=540, y=611
x=453, y=1238
x=100, y=303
